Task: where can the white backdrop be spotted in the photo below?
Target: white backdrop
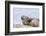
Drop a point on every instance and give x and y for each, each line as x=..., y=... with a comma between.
x=2, y=18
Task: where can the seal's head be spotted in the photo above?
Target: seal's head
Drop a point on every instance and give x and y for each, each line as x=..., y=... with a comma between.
x=25, y=20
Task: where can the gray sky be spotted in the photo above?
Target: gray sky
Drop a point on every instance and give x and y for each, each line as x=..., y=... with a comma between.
x=18, y=12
